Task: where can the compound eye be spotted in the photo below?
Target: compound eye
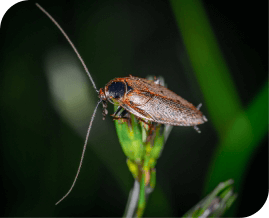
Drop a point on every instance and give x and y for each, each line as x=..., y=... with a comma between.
x=116, y=90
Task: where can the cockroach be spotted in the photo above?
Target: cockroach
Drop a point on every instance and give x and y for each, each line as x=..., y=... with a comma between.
x=149, y=100
x=146, y=99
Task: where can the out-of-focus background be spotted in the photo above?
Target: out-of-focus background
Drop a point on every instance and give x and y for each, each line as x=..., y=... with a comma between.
x=47, y=100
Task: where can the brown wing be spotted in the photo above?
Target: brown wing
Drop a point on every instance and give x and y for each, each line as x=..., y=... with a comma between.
x=158, y=104
x=150, y=86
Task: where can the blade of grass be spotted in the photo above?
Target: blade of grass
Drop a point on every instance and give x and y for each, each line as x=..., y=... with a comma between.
x=208, y=63
x=245, y=133
x=240, y=132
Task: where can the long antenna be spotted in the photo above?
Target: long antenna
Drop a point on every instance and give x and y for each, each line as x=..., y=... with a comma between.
x=94, y=112
x=83, y=153
x=70, y=42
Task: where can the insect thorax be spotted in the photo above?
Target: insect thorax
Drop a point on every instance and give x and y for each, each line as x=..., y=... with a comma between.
x=115, y=90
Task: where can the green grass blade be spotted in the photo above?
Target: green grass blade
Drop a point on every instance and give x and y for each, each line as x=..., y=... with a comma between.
x=208, y=63
x=247, y=130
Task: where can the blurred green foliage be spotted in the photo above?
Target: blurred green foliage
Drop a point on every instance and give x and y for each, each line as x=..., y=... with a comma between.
x=236, y=129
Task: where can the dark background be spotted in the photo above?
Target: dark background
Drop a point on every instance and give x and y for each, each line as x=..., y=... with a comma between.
x=42, y=135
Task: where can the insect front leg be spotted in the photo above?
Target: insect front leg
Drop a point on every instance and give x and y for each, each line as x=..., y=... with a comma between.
x=105, y=111
x=120, y=113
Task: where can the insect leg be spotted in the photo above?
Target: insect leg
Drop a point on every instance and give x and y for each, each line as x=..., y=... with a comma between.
x=105, y=111
x=199, y=106
x=117, y=112
x=120, y=113
x=197, y=129
x=144, y=121
x=156, y=81
x=123, y=113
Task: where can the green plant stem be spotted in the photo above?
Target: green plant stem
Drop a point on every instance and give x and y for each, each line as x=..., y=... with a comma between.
x=132, y=200
x=142, y=198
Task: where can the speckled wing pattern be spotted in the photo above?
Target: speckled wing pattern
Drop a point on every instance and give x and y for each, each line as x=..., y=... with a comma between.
x=156, y=103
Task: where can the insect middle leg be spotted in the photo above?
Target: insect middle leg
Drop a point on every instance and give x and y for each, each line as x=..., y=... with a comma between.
x=122, y=114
